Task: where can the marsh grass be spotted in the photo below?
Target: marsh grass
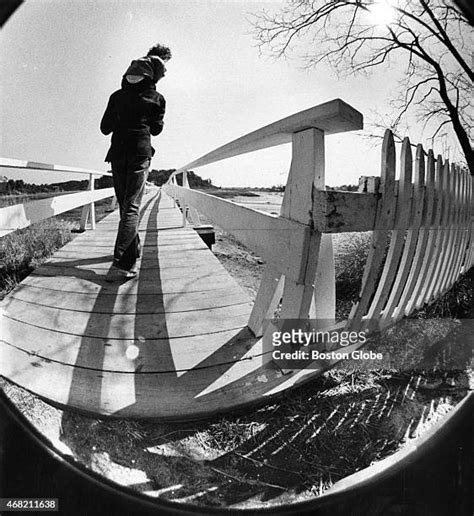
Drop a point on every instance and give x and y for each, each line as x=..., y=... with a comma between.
x=22, y=251
x=25, y=249
x=349, y=262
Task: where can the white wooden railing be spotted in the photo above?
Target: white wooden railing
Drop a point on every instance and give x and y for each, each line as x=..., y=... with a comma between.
x=426, y=223
x=23, y=215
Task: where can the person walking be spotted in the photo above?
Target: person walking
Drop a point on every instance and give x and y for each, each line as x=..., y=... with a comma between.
x=133, y=114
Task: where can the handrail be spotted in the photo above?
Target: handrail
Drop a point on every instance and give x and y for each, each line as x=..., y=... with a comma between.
x=23, y=215
x=332, y=117
x=34, y=165
x=420, y=263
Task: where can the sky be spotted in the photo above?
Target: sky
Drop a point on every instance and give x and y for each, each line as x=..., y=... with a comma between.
x=61, y=59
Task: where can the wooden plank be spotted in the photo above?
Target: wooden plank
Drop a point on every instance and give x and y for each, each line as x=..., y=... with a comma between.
x=331, y=117
x=469, y=260
x=147, y=267
x=397, y=241
x=103, y=323
x=175, y=277
x=163, y=256
x=23, y=215
x=183, y=205
x=432, y=276
x=446, y=233
x=306, y=172
x=268, y=298
x=154, y=251
x=149, y=283
x=108, y=239
x=176, y=355
x=343, y=212
x=428, y=201
x=102, y=262
x=470, y=251
x=131, y=303
x=465, y=226
x=453, y=230
x=417, y=299
x=460, y=248
x=108, y=234
x=88, y=211
x=384, y=217
x=411, y=238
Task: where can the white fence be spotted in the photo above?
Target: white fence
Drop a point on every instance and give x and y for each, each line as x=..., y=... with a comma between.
x=422, y=224
x=23, y=215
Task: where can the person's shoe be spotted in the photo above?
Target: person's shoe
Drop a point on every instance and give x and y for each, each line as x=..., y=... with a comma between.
x=116, y=273
x=130, y=274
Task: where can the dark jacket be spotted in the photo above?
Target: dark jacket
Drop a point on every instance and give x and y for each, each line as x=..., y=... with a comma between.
x=133, y=113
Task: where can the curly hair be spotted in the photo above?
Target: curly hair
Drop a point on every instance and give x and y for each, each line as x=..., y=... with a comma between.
x=160, y=51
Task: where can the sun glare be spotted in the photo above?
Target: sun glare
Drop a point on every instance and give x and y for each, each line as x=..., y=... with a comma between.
x=381, y=13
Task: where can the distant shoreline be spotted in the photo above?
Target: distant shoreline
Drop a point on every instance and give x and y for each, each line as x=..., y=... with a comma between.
x=229, y=192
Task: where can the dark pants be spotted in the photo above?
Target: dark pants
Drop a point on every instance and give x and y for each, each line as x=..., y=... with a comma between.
x=130, y=174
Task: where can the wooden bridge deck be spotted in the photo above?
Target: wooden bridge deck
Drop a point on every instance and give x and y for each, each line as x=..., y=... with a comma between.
x=171, y=343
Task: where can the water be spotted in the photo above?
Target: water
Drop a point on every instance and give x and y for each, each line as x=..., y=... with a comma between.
x=12, y=199
x=268, y=202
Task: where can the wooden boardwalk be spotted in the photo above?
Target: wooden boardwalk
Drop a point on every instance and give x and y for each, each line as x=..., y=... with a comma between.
x=171, y=343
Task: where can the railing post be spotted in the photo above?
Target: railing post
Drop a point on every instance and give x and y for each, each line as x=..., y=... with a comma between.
x=92, y=205
x=88, y=211
x=173, y=184
x=313, y=293
x=184, y=207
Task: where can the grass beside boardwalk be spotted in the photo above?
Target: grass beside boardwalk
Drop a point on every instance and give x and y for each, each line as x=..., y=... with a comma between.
x=25, y=249
x=296, y=447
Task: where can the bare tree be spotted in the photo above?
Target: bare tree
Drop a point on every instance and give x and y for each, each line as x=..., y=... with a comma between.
x=431, y=39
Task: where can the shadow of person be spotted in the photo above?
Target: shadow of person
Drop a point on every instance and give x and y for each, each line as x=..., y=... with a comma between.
x=92, y=269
